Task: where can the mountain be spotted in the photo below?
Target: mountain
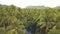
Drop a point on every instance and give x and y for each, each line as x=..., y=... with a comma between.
x=57, y=7
x=38, y=7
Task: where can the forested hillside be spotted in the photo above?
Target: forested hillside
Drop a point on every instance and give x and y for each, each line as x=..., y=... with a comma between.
x=15, y=20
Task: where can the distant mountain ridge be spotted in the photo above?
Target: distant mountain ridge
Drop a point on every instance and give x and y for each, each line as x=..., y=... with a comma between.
x=57, y=7
x=41, y=7
x=33, y=7
x=38, y=7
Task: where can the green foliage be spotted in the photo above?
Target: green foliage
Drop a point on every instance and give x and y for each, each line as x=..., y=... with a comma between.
x=14, y=20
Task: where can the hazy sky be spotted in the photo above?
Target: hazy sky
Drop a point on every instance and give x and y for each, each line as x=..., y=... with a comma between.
x=24, y=3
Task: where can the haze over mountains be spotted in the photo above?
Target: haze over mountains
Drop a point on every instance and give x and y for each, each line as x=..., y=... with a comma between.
x=41, y=7
x=57, y=7
x=33, y=7
x=38, y=7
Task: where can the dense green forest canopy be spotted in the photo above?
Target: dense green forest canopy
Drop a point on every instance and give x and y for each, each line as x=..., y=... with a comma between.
x=15, y=20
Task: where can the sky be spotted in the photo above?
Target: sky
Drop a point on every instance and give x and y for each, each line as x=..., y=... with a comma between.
x=24, y=3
